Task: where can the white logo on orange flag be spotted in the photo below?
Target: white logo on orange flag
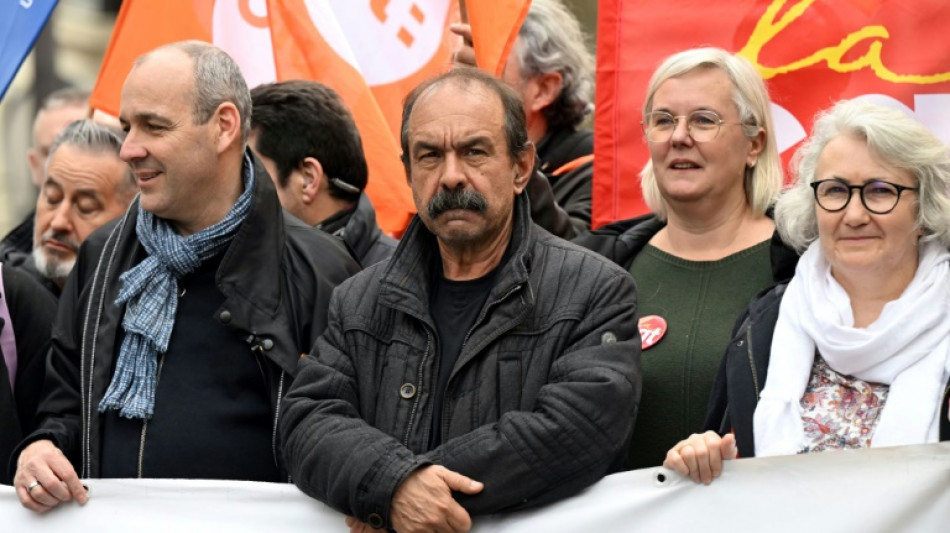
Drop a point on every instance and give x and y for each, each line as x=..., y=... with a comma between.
x=345, y=45
x=240, y=28
x=402, y=36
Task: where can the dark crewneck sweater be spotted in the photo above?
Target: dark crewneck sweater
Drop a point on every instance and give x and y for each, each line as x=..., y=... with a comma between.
x=212, y=418
x=700, y=301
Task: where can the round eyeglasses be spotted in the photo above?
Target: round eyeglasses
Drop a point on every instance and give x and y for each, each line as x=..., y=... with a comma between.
x=879, y=197
x=703, y=126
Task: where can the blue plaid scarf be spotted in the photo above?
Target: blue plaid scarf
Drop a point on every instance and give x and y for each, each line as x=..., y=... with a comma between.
x=151, y=290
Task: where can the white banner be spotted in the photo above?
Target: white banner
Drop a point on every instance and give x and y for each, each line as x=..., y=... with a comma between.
x=889, y=489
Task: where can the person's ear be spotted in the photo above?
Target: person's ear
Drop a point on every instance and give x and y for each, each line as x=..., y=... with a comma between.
x=404, y=157
x=543, y=90
x=36, y=166
x=313, y=179
x=227, y=120
x=756, y=145
x=524, y=166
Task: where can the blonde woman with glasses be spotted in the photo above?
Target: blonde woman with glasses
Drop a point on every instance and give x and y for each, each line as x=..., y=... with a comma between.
x=709, y=245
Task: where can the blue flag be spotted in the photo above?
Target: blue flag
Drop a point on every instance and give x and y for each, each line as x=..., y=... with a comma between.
x=20, y=24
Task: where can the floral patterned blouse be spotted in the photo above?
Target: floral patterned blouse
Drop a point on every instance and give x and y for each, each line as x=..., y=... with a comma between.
x=838, y=411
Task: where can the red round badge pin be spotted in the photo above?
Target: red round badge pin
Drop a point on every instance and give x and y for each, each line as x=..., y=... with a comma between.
x=652, y=329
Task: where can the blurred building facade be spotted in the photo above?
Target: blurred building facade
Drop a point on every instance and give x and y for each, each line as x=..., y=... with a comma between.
x=68, y=52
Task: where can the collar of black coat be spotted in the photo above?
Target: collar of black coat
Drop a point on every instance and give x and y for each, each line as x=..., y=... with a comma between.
x=405, y=282
x=356, y=225
x=249, y=273
x=561, y=146
x=257, y=248
x=250, y=266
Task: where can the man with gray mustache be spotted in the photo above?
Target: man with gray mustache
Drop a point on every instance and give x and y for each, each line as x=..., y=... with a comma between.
x=488, y=366
x=86, y=184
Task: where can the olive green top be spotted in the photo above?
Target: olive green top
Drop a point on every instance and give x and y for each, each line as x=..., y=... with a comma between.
x=700, y=301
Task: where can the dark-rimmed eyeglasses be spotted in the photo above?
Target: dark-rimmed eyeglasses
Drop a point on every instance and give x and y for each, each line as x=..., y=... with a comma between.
x=879, y=197
x=703, y=126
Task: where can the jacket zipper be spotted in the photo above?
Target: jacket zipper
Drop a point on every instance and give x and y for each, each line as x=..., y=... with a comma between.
x=257, y=351
x=748, y=351
x=280, y=393
x=161, y=363
x=85, y=400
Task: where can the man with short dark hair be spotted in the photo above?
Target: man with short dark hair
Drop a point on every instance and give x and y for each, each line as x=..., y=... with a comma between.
x=186, y=316
x=487, y=358
x=86, y=185
x=309, y=144
x=56, y=112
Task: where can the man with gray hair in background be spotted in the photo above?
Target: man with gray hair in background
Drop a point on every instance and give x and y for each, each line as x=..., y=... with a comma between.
x=86, y=184
x=552, y=70
x=56, y=112
x=204, y=283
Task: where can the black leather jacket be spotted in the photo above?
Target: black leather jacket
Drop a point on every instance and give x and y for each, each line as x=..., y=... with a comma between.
x=277, y=276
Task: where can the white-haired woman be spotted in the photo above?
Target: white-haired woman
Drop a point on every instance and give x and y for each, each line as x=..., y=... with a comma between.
x=708, y=249
x=855, y=351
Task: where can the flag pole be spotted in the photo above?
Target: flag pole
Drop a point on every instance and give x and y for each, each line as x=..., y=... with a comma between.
x=463, y=17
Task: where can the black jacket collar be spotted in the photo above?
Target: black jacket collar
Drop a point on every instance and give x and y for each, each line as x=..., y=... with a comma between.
x=561, y=146
x=405, y=282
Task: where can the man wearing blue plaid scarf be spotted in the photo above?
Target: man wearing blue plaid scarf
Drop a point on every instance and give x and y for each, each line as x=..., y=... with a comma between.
x=183, y=320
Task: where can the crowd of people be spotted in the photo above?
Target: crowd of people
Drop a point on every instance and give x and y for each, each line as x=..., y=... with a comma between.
x=204, y=292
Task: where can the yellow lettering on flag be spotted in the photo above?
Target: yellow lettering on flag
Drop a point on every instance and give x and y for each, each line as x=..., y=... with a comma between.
x=770, y=26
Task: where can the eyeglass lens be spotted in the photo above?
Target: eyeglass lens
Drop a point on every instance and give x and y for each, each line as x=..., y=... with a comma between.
x=877, y=196
x=702, y=125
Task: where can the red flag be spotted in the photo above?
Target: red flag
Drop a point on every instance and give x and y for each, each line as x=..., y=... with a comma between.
x=811, y=54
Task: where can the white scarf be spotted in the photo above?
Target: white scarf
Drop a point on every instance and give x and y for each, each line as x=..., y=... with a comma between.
x=907, y=347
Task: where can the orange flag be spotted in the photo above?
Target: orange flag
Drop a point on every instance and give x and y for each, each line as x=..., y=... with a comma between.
x=372, y=52
x=495, y=28
x=140, y=27
x=302, y=51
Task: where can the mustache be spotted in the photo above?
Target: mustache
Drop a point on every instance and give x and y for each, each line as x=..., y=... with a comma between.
x=61, y=237
x=449, y=199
